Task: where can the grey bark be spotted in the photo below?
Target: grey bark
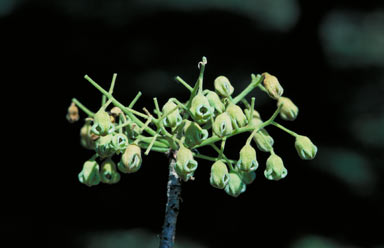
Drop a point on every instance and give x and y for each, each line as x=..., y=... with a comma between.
x=167, y=238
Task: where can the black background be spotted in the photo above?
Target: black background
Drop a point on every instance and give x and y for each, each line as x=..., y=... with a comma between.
x=46, y=53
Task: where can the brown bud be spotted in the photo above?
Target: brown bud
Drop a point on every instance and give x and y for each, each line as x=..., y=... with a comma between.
x=73, y=113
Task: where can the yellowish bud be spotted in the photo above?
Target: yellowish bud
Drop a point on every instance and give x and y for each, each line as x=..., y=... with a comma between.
x=289, y=110
x=272, y=86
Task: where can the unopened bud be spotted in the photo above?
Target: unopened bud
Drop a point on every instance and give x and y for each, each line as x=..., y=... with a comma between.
x=108, y=173
x=185, y=164
x=237, y=114
x=73, y=113
x=130, y=160
x=102, y=124
x=90, y=174
x=104, y=147
x=174, y=118
x=235, y=185
x=223, y=86
x=248, y=177
x=87, y=139
x=289, y=110
x=200, y=109
x=116, y=111
x=272, y=86
x=305, y=148
x=222, y=125
x=275, y=169
x=194, y=134
x=263, y=140
x=219, y=175
x=120, y=142
x=247, y=161
x=215, y=102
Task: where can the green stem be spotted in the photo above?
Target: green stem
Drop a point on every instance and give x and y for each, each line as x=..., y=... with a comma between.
x=186, y=85
x=264, y=124
x=83, y=108
x=251, y=109
x=229, y=161
x=151, y=144
x=256, y=80
x=135, y=100
x=285, y=129
x=157, y=107
x=201, y=75
x=121, y=106
x=205, y=157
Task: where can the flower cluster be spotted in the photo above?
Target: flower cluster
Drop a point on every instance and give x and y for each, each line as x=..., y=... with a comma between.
x=207, y=118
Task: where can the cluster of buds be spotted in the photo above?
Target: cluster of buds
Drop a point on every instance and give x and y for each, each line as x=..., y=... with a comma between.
x=207, y=118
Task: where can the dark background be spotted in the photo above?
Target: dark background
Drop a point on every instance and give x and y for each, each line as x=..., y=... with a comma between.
x=328, y=55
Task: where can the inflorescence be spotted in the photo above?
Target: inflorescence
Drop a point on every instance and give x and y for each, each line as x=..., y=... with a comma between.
x=208, y=118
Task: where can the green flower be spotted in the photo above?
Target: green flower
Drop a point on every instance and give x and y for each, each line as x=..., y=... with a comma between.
x=272, y=86
x=104, y=147
x=102, y=123
x=237, y=114
x=263, y=140
x=289, y=110
x=223, y=86
x=235, y=185
x=174, y=118
x=247, y=177
x=130, y=160
x=219, y=175
x=108, y=172
x=305, y=148
x=222, y=125
x=119, y=142
x=185, y=164
x=90, y=174
x=200, y=109
x=215, y=102
x=275, y=168
x=247, y=161
x=193, y=133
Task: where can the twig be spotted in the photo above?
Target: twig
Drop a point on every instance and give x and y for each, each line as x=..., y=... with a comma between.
x=167, y=238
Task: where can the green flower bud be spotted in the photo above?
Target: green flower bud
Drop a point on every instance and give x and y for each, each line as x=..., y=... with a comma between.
x=263, y=140
x=119, y=142
x=272, y=86
x=219, y=175
x=73, y=113
x=247, y=161
x=289, y=111
x=185, y=164
x=222, y=125
x=173, y=119
x=275, y=169
x=108, y=173
x=102, y=123
x=90, y=174
x=235, y=185
x=200, y=109
x=104, y=147
x=223, y=86
x=248, y=177
x=87, y=139
x=305, y=148
x=130, y=160
x=215, y=102
x=237, y=114
x=194, y=134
